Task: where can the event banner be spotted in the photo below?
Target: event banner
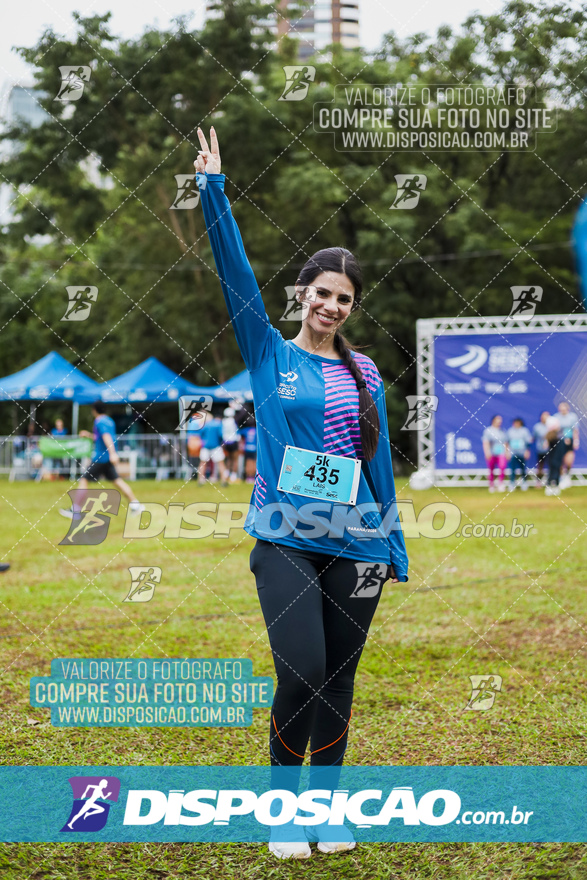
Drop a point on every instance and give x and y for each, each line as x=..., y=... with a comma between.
x=477, y=376
x=65, y=447
x=246, y=804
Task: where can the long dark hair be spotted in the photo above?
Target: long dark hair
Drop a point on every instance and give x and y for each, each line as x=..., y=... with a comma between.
x=338, y=259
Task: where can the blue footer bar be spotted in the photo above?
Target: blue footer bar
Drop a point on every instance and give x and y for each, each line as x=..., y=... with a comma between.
x=248, y=804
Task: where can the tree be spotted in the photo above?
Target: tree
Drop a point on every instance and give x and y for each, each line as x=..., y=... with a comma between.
x=99, y=178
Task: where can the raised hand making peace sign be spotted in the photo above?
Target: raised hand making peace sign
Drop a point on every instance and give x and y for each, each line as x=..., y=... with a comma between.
x=208, y=160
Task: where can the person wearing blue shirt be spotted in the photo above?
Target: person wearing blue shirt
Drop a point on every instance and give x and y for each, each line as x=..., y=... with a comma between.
x=519, y=439
x=211, y=434
x=59, y=430
x=542, y=446
x=570, y=441
x=56, y=464
x=194, y=443
x=248, y=433
x=323, y=509
x=556, y=451
x=104, y=461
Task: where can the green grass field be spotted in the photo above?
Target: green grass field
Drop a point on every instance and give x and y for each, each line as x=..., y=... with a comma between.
x=507, y=606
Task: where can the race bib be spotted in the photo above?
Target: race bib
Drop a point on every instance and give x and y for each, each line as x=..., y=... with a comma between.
x=319, y=475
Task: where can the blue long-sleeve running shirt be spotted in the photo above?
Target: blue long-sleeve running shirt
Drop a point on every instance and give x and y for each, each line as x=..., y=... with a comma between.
x=304, y=400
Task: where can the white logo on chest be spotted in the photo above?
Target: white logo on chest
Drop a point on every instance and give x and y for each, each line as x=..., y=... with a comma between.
x=286, y=389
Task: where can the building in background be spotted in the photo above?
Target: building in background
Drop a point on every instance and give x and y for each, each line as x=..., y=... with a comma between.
x=17, y=102
x=323, y=22
x=22, y=102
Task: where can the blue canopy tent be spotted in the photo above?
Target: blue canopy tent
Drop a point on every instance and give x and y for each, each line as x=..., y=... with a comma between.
x=51, y=378
x=149, y=381
x=238, y=386
x=579, y=239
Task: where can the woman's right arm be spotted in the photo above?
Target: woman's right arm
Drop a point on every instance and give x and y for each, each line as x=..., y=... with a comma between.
x=254, y=333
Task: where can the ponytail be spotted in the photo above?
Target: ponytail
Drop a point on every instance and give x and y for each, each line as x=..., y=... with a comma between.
x=368, y=415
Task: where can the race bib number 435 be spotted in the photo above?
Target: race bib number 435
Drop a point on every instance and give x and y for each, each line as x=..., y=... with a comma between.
x=319, y=475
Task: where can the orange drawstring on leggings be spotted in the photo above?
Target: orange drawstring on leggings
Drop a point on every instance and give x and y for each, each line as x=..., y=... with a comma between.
x=315, y=750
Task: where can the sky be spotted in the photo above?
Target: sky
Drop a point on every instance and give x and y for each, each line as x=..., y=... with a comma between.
x=22, y=22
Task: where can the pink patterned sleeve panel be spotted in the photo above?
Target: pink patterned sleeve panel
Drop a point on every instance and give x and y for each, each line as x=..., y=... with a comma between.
x=259, y=491
x=341, y=411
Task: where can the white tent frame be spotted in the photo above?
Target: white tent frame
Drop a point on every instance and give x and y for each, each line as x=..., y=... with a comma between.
x=427, y=329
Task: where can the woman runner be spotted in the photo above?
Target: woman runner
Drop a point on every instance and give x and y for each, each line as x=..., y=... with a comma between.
x=321, y=432
x=496, y=451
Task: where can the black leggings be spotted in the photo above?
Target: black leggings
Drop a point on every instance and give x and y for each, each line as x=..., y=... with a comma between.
x=317, y=610
x=556, y=453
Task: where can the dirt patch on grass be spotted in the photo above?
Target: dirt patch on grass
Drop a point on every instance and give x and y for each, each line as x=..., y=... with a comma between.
x=557, y=635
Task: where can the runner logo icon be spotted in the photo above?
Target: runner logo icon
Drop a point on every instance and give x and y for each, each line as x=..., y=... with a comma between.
x=525, y=300
x=193, y=409
x=93, y=509
x=187, y=195
x=90, y=802
x=371, y=576
x=298, y=302
x=297, y=81
x=422, y=407
x=73, y=80
x=483, y=691
x=79, y=302
x=409, y=189
x=143, y=581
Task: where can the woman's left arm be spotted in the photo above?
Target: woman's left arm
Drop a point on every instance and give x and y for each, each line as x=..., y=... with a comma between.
x=381, y=471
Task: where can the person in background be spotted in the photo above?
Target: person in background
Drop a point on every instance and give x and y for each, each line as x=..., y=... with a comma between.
x=556, y=451
x=519, y=439
x=248, y=433
x=194, y=443
x=244, y=418
x=57, y=465
x=241, y=414
x=103, y=465
x=496, y=452
x=211, y=450
x=570, y=437
x=59, y=430
x=542, y=447
x=33, y=455
x=230, y=443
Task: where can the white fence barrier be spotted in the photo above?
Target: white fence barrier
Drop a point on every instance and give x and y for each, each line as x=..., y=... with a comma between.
x=142, y=456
